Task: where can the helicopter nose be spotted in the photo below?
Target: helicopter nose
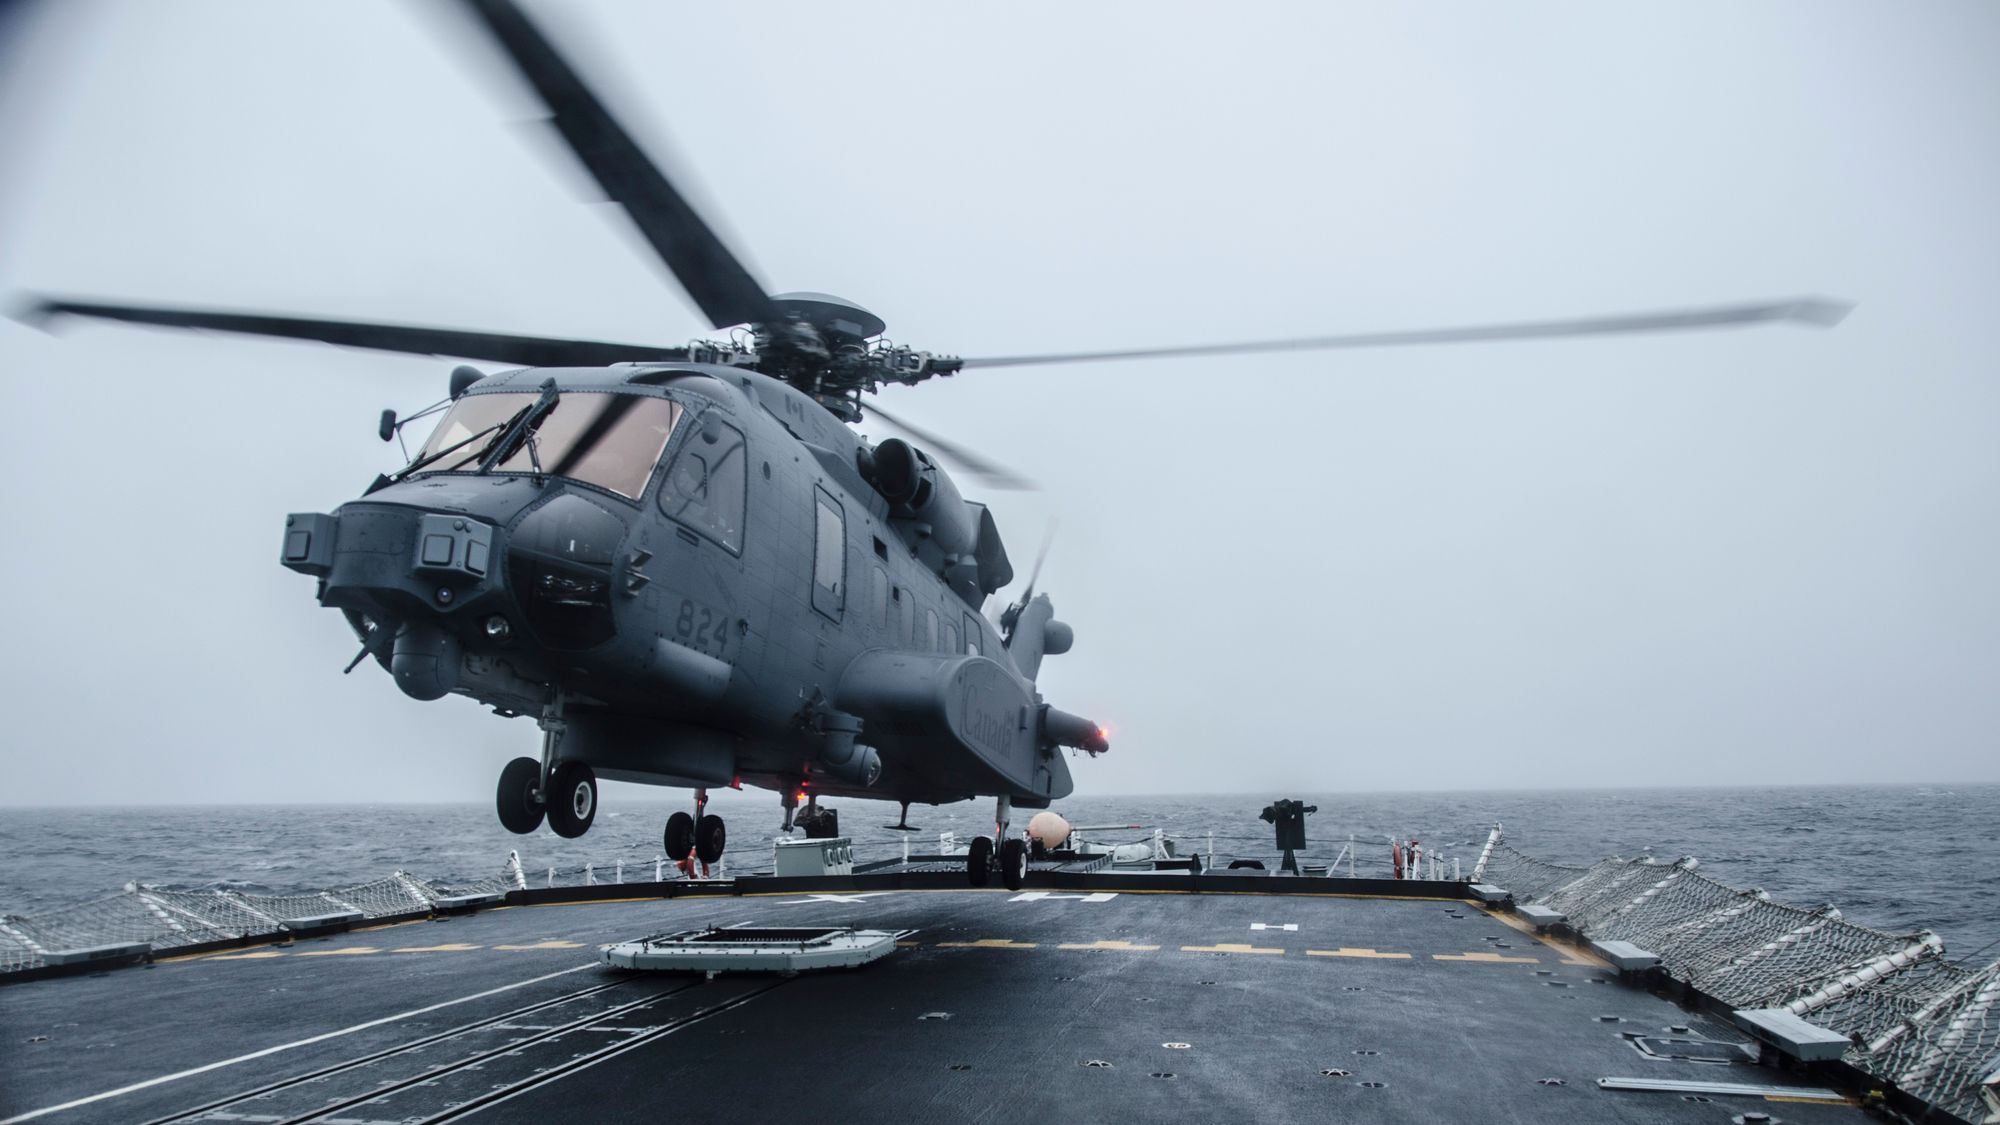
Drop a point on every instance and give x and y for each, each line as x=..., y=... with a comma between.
x=423, y=582
x=433, y=559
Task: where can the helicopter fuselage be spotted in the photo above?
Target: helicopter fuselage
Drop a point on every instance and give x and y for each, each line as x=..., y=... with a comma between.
x=689, y=562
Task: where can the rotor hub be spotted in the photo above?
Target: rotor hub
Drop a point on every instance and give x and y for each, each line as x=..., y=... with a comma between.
x=837, y=318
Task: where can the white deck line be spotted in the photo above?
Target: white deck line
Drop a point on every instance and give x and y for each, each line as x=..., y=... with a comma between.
x=321, y=1038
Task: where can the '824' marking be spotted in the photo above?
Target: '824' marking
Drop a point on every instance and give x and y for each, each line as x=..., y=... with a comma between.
x=701, y=628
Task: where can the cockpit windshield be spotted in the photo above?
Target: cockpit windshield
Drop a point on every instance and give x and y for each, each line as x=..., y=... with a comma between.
x=609, y=440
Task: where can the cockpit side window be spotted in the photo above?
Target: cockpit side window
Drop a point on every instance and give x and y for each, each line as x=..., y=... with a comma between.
x=705, y=488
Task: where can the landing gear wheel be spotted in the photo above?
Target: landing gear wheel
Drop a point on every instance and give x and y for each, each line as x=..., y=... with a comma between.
x=709, y=838
x=680, y=836
x=979, y=861
x=572, y=799
x=520, y=809
x=1014, y=863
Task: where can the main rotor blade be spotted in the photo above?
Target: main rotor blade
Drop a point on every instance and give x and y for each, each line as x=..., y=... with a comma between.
x=992, y=473
x=1041, y=556
x=718, y=282
x=525, y=351
x=1806, y=310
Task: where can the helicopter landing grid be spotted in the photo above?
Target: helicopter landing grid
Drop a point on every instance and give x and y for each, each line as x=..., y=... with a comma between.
x=1098, y=1005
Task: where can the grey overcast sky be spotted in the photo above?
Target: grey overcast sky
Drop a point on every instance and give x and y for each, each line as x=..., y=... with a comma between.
x=1765, y=556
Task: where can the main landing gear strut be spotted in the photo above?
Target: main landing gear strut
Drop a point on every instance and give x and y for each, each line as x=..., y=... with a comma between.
x=700, y=835
x=562, y=789
x=1011, y=862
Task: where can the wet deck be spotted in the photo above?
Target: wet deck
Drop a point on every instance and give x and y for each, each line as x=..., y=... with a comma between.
x=1078, y=1004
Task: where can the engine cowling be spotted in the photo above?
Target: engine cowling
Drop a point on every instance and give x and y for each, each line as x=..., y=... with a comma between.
x=920, y=490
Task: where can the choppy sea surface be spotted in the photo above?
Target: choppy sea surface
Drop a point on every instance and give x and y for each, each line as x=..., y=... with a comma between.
x=1893, y=857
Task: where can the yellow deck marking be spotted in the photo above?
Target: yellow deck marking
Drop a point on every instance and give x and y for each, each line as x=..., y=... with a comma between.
x=1572, y=954
x=543, y=945
x=1345, y=951
x=908, y=944
x=350, y=951
x=370, y=927
x=259, y=955
x=1230, y=947
x=1121, y=945
x=987, y=943
x=448, y=947
x=1486, y=958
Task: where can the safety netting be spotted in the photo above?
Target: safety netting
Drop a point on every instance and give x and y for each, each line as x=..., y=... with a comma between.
x=166, y=920
x=1916, y=1020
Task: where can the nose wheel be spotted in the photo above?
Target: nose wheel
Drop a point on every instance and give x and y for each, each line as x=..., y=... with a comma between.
x=520, y=798
x=572, y=799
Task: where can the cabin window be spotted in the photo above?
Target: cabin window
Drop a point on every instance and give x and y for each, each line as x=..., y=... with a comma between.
x=905, y=608
x=829, y=555
x=706, y=487
x=930, y=637
x=881, y=599
x=971, y=636
x=950, y=637
x=609, y=440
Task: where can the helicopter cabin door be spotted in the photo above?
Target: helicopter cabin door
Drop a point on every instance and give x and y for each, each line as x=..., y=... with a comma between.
x=829, y=555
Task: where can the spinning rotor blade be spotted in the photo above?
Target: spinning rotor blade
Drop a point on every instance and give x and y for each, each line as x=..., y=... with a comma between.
x=1806, y=310
x=525, y=351
x=990, y=472
x=719, y=284
x=1041, y=556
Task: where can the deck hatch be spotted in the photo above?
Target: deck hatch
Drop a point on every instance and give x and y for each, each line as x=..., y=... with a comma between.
x=754, y=949
x=1693, y=1050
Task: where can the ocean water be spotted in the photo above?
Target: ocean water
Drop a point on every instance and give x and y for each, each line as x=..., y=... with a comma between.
x=1893, y=857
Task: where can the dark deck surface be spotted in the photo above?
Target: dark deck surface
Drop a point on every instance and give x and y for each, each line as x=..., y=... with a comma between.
x=1000, y=1007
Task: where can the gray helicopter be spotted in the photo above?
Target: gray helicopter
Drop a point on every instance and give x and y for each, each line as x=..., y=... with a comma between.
x=688, y=568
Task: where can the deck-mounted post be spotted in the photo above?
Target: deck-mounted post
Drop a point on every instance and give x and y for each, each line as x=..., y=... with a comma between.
x=514, y=869
x=1486, y=853
x=659, y=869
